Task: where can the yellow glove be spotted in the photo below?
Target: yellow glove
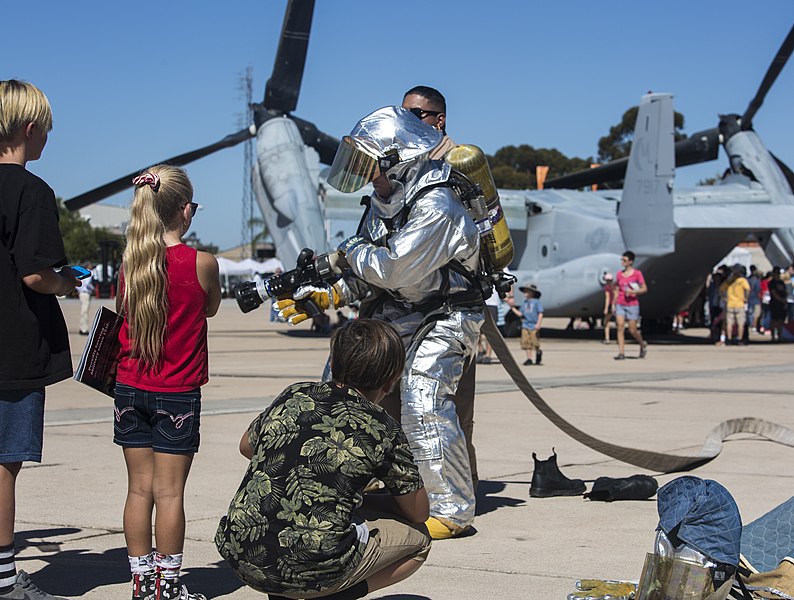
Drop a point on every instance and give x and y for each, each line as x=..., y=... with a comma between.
x=600, y=589
x=308, y=301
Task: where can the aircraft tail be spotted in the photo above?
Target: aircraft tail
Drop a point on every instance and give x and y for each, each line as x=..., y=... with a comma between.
x=645, y=212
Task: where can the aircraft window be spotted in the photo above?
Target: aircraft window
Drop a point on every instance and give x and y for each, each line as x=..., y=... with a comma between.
x=544, y=250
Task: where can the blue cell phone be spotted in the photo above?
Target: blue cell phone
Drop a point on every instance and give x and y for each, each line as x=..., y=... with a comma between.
x=80, y=272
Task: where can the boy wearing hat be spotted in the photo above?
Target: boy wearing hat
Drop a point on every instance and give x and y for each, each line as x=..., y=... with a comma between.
x=531, y=314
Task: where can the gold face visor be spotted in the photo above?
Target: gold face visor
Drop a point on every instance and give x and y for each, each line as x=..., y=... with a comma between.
x=352, y=169
x=668, y=578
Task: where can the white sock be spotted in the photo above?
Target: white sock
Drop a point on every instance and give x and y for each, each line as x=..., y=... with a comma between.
x=8, y=568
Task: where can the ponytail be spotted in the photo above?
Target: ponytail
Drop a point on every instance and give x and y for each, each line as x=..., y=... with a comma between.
x=160, y=195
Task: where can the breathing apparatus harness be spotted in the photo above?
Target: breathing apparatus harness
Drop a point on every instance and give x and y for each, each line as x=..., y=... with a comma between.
x=482, y=282
x=488, y=277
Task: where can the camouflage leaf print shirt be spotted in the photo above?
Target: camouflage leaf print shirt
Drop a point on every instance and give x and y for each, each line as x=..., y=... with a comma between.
x=290, y=525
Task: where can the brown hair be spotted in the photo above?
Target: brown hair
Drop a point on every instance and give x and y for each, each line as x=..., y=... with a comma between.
x=366, y=354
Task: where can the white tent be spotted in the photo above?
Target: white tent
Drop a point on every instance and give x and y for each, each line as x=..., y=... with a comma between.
x=270, y=265
x=245, y=268
x=746, y=256
x=230, y=267
x=254, y=266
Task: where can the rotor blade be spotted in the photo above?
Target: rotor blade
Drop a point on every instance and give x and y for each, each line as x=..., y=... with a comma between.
x=774, y=70
x=612, y=171
x=324, y=144
x=700, y=147
x=124, y=182
x=281, y=91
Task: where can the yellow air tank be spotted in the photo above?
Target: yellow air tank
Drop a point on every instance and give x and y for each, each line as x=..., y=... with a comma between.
x=471, y=161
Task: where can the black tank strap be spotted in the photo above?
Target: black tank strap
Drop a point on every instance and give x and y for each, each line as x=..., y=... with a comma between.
x=365, y=201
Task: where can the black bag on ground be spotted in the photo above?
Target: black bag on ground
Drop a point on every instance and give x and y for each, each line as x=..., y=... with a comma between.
x=636, y=487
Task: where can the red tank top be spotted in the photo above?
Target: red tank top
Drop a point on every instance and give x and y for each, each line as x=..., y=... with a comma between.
x=184, y=365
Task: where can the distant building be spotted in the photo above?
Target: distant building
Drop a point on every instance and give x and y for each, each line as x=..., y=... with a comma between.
x=107, y=216
x=263, y=251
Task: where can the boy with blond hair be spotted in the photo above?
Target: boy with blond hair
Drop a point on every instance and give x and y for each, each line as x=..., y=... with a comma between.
x=35, y=352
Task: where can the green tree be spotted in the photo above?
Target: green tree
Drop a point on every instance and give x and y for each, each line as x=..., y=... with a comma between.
x=618, y=142
x=513, y=167
x=80, y=240
x=258, y=225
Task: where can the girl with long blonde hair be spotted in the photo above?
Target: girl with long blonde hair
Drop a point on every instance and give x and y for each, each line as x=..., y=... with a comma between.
x=167, y=291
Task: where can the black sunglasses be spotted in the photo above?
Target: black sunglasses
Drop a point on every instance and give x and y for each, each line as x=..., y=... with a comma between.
x=421, y=113
x=193, y=208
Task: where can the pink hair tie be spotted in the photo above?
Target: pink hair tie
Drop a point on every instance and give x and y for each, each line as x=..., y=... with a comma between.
x=150, y=179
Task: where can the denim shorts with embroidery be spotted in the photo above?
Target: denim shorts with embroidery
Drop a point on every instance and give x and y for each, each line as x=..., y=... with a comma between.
x=166, y=422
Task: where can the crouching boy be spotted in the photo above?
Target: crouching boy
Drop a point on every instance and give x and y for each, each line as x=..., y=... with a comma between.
x=300, y=525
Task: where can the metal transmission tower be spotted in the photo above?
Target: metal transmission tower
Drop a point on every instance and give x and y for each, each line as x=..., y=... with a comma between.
x=247, y=222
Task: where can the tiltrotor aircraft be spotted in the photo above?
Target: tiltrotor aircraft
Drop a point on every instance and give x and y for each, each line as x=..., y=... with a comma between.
x=564, y=241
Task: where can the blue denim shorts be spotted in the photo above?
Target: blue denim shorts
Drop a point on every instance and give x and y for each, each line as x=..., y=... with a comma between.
x=630, y=313
x=21, y=425
x=166, y=422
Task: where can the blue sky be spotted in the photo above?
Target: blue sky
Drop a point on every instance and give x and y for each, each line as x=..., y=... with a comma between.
x=133, y=83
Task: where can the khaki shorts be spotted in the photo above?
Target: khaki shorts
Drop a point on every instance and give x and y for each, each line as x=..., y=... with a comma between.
x=530, y=339
x=390, y=539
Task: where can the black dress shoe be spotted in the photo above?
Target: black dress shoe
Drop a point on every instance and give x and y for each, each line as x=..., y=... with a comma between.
x=547, y=480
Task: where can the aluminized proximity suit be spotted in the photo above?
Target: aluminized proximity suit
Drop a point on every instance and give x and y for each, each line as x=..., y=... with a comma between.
x=438, y=312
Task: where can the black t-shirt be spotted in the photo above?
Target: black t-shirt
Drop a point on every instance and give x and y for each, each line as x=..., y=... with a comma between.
x=34, y=342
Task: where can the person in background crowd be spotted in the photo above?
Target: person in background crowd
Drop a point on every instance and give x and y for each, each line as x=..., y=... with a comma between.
x=631, y=284
x=717, y=303
x=753, y=304
x=787, y=279
x=273, y=310
x=610, y=298
x=763, y=322
x=777, y=304
x=679, y=320
x=737, y=294
x=503, y=313
x=531, y=313
x=85, y=292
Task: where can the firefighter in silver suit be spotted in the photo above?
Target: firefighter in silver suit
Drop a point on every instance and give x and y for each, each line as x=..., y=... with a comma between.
x=412, y=263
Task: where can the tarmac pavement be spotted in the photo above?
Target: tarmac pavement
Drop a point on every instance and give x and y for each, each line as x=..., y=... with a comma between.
x=69, y=507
